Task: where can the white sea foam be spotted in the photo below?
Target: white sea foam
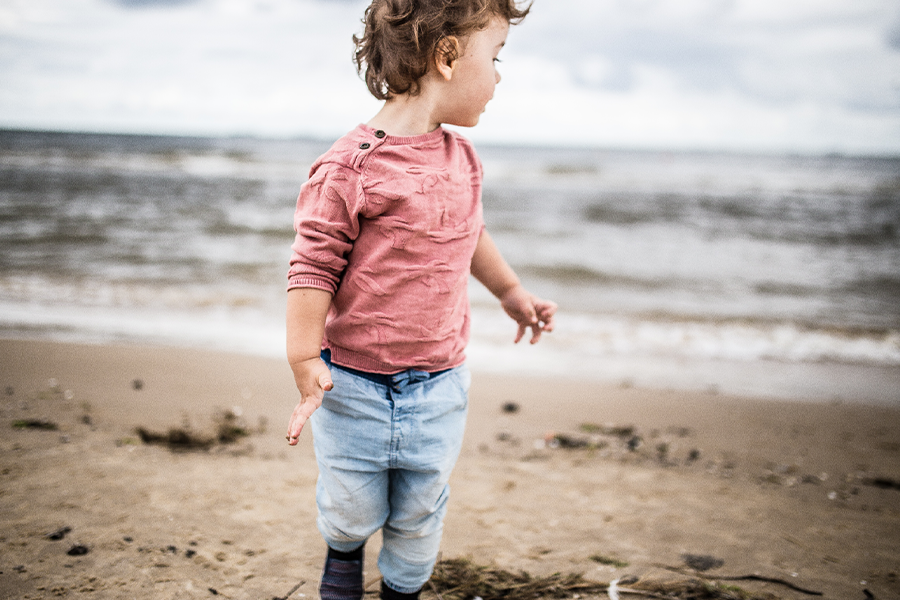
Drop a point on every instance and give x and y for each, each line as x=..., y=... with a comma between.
x=766, y=360
x=598, y=336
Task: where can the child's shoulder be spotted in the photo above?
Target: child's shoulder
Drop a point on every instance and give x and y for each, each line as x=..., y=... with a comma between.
x=346, y=148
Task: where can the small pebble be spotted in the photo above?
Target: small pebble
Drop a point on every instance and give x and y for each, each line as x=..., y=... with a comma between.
x=59, y=533
x=702, y=562
x=78, y=550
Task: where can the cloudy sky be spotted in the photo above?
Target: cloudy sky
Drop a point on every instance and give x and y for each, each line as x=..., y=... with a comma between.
x=782, y=75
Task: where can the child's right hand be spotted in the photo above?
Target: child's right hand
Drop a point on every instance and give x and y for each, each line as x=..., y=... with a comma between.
x=528, y=311
x=313, y=379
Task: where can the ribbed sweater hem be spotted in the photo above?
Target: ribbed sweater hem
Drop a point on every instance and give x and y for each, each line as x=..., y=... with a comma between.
x=353, y=360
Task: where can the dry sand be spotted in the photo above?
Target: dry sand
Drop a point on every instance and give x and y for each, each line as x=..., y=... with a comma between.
x=804, y=492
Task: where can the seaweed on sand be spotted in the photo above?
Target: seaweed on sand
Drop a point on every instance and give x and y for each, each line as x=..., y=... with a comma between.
x=229, y=427
x=228, y=430
x=176, y=439
x=460, y=579
x=43, y=424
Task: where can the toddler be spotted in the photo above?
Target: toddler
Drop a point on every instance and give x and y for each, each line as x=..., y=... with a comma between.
x=388, y=229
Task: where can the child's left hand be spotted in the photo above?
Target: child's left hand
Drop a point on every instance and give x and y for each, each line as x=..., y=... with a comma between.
x=528, y=310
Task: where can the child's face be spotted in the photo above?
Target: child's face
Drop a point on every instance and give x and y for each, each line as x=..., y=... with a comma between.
x=475, y=75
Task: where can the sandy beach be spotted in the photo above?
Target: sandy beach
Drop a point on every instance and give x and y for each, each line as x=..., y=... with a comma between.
x=555, y=476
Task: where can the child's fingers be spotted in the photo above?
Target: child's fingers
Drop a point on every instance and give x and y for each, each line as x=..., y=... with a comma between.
x=299, y=418
x=543, y=322
x=325, y=382
x=546, y=314
x=522, y=328
x=534, y=313
x=547, y=323
x=546, y=310
x=307, y=407
x=528, y=318
x=301, y=415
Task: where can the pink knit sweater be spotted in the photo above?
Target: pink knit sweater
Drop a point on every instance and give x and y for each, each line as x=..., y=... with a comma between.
x=389, y=225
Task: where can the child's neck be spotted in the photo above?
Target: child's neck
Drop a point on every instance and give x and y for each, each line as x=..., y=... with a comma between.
x=407, y=115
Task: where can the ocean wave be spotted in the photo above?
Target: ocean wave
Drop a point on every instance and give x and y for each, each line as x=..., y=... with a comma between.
x=598, y=336
x=827, y=221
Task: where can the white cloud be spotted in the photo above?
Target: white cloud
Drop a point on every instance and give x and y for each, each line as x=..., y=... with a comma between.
x=762, y=74
x=202, y=67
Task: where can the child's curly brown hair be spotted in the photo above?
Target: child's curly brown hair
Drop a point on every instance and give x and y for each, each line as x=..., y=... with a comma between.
x=401, y=37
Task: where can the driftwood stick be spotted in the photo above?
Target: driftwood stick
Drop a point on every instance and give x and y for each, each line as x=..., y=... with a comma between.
x=751, y=577
x=770, y=580
x=290, y=593
x=435, y=590
x=647, y=593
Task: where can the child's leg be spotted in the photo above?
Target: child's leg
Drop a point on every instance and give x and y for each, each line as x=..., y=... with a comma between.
x=412, y=536
x=351, y=434
x=429, y=420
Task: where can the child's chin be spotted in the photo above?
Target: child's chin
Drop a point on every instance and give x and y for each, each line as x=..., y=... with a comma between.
x=466, y=123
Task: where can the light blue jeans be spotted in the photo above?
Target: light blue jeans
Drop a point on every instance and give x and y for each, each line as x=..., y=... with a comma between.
x=385, y=452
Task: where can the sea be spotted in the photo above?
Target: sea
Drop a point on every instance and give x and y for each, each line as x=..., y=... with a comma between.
x=769, y=275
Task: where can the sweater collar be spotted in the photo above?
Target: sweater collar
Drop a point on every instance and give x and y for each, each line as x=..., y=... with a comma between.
x=435, y=135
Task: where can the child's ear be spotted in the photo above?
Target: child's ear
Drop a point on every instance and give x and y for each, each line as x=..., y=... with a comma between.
x=446, y=55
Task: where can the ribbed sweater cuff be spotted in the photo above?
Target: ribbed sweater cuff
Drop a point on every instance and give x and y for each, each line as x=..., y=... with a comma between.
x=311, y=281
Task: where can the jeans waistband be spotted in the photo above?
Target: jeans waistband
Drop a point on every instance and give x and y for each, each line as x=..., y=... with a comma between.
x=409, y=375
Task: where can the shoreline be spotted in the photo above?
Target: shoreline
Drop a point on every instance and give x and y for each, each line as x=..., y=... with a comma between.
x=552, y=473
x=762, y=379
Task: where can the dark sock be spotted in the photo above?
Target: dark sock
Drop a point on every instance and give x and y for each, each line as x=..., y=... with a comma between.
x=347, y=556
x=388, y=593
x=342, y=578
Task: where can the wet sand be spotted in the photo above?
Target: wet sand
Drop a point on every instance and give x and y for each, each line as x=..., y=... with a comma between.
x=568, y=476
